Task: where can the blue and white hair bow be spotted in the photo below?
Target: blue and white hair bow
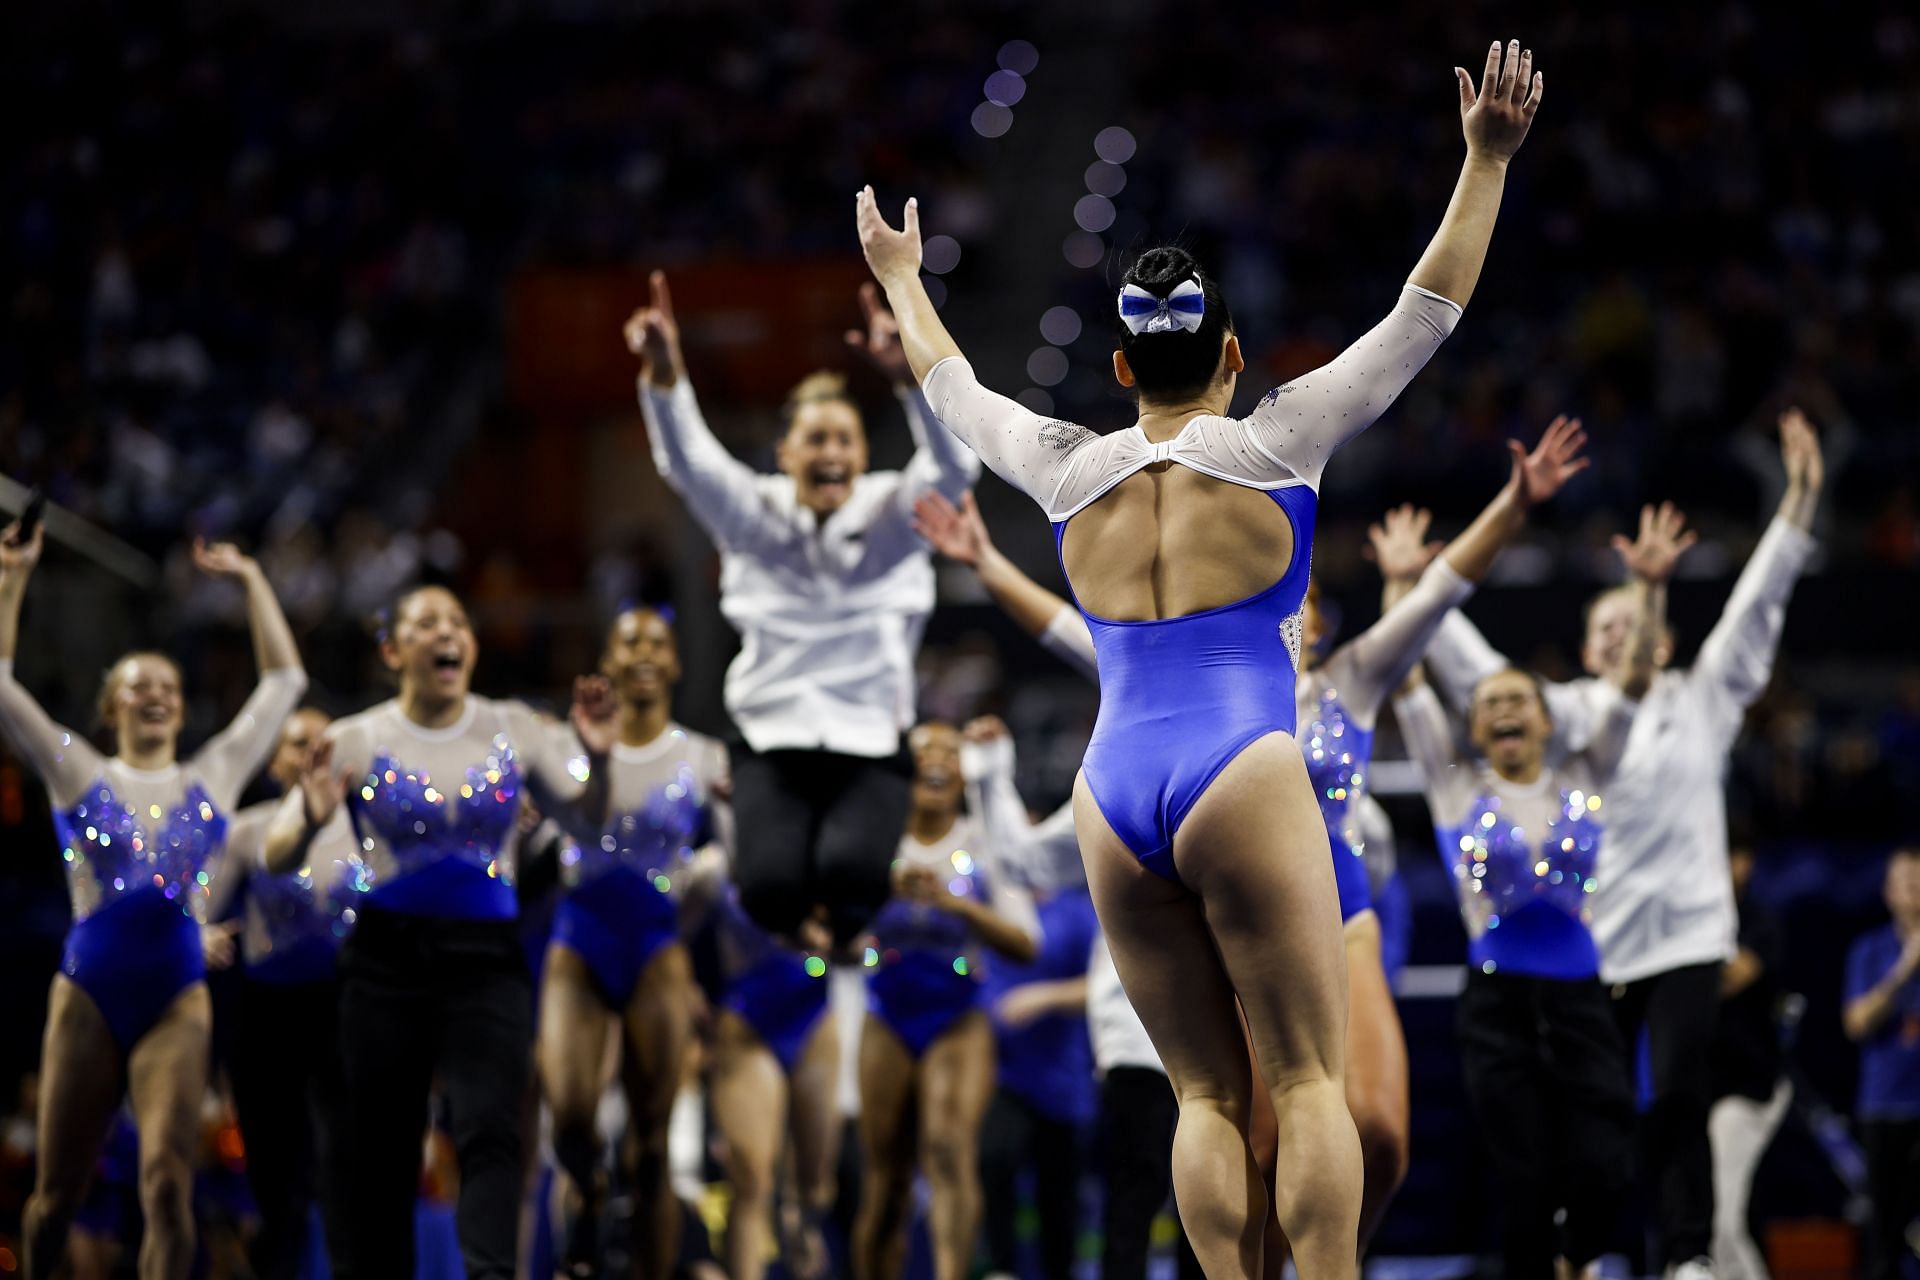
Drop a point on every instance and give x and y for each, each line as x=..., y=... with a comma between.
x=1183, y=308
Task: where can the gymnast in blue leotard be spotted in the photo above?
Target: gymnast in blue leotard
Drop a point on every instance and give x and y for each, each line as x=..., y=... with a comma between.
x=141, y=832
x=616, y=960
x=1204, y=850
x=773, y=1067
x=926, y=1052
x=1338, y=698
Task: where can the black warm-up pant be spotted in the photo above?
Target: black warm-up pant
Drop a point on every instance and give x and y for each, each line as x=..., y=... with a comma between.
x=816, y=827
x=1138, y=1112
x=1678, y=1010
x=1893, y=1180
x=287, y=1094
x=428, y=1002
x=1018, y=1136
x=1547, y=1080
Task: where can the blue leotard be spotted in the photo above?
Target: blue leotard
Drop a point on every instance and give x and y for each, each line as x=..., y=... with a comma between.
x=779, y=993
x=1338, y=753
x=446, y=850
x=619, y=909
x=1522, y=854
x=137, y=945
x=924, y=965
x=1160, y=741
x=294, y=924
x=1336, y=703
x=434, y=809
x=1534, y=887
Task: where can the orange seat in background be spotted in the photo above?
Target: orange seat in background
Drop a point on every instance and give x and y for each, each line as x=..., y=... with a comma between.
x=1812, y=1249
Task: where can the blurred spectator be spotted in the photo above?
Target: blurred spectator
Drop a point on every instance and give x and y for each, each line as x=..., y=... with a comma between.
x=1883, y=1017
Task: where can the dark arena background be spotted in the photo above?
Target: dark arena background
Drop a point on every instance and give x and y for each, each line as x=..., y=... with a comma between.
x=344, y=283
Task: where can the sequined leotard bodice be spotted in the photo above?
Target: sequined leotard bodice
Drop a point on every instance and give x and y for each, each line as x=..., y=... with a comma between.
x=434, y=809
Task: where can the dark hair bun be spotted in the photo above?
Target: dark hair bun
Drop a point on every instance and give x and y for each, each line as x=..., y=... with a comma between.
x=1177, y=363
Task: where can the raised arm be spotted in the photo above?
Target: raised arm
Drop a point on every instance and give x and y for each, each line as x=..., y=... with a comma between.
x=1414, y=601
x=65, y=761
x=894, y=257
x=1495, y=119
x=1428, y=735
x=1736, y=658
x=233, y=755
x=720, y=491
x=1664, y=538
x=1038, y=456
x=959, y=534
x=1302, y=423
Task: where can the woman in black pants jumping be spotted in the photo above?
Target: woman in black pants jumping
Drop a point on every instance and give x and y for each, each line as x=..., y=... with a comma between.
x=830, y=588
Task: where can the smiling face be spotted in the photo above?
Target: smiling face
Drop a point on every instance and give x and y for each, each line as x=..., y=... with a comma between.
x=1508, y=722
x=641, y=658
x=1610, y=623
x=142, y=702
x=937, y=784
x=302, y=730
x=825, y=451
x=430, y=645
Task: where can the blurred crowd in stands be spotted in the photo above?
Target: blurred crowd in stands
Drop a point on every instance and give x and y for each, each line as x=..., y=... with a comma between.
x=253, y=278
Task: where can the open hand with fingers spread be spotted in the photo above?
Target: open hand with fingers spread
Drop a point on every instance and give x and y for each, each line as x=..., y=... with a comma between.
x=957, y=533
x=1664, y=538
x=890, y=254
x=1496, y=117
x=653, y=334
x=1398, y=544
x=879, y=342
x=1539, y=475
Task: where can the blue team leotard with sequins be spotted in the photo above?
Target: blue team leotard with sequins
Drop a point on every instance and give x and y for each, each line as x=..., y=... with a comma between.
x=619, y=908
x=1338, y=753
x=135, y=941
x=446, y=859
x=1534, y=886
x=924, y=966
x=777, y=992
